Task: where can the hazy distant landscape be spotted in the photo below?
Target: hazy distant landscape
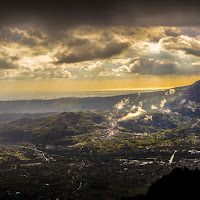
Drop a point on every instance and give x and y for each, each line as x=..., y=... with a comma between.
x=100, y=101
x=111, y=147
x=7, y=96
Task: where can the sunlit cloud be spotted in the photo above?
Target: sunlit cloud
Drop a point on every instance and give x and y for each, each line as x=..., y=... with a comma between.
x=86, y=52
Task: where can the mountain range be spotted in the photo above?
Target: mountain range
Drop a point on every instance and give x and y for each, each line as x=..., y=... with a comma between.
x=174, y=110
x=186, y=97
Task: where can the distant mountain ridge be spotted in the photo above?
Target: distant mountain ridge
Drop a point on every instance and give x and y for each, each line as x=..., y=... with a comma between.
x=148, y=100
x=192, y=93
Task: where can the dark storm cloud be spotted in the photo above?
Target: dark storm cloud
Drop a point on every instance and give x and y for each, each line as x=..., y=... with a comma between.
x=35, y=33
x=172, y=32
x=60, y=14
x=192, y=51
x=28, y=37
x=73, y=42
x=90, y=51
x=7, y=65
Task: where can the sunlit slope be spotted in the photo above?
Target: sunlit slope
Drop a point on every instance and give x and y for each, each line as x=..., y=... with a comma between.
x=49, y=129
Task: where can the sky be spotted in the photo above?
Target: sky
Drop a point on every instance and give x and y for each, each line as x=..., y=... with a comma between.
x=61, y=46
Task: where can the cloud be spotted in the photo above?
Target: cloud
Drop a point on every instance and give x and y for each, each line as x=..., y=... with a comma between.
x=4, y=64
x=98, y=52
x=28, y=37
x=91, y=51
x=146, y=66
x=59, y=74
x=123, y=68
x=36, y=33
x=93, y=67
x=197, y=63
x=172, y=31
x=127, y=69
x=135, y=66
x=107, y=73
x=27, y=74
x=73, y=42
x=184, y=43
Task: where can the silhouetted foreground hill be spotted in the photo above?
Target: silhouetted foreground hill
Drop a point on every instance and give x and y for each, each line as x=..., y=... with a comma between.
x=181, y=183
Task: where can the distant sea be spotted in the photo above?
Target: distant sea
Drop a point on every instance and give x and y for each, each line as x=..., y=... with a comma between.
x=55, y=95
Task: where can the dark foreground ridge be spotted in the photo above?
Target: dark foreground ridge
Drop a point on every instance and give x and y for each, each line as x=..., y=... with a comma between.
x=181, y=183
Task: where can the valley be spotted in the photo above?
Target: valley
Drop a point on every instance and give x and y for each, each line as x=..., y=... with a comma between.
x=99, y=153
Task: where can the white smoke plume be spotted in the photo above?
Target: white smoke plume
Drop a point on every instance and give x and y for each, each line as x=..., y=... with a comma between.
x=147, y=118
x=162, y=103
x=172, y=91
x=132, y=115
x=183, y=101
x=120, y=105
x=153, y=107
